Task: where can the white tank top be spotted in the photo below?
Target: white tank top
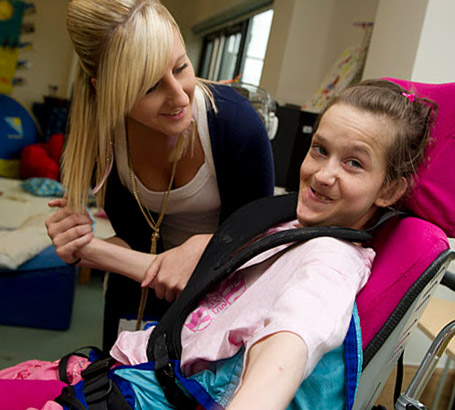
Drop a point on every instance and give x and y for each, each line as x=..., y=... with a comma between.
x=193, y=208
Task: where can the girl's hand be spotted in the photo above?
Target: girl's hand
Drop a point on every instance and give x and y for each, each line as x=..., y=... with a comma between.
x=170, y=271
x=68, y=231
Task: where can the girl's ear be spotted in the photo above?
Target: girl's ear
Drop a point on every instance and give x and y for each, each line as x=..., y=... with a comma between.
x=93, y=81
x=392, y=192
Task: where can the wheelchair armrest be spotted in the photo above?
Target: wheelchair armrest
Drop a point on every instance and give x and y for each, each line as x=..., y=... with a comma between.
x=449, y=280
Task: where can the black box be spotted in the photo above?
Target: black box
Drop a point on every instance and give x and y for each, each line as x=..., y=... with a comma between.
x=291, y=144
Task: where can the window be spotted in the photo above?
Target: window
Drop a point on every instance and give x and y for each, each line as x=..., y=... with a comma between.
x=237, y=49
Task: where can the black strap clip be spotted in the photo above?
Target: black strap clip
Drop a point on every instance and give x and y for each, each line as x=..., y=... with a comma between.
x=97, y=389
x=97, y=367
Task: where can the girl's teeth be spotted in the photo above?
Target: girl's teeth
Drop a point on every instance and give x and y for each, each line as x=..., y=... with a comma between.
x=323, y=197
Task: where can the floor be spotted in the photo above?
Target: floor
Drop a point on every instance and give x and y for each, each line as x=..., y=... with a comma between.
x=18, y=344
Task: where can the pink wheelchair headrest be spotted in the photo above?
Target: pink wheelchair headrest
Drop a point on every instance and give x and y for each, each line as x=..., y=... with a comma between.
x=430, y=198
x=405, y=249
x=399, y=262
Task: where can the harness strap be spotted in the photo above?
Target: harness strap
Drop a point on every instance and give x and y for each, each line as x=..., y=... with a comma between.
x=165, y=374
x=63, y=363
x=68, y=398
x=99, y=391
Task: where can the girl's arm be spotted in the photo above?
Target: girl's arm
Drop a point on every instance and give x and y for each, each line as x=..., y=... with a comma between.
x=101, y=254
x=274, y=370
x=170, y=271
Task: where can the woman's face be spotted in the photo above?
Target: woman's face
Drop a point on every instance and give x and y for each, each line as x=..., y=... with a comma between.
x=342, y=176
x=166, y=108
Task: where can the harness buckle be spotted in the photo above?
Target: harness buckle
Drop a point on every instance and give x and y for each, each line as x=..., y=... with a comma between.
x=98, y=367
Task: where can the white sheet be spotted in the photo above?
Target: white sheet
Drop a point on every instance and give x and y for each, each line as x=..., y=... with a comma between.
x=22, y=224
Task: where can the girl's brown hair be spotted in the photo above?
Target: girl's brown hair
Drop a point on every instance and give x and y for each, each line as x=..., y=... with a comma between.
x=412, y=118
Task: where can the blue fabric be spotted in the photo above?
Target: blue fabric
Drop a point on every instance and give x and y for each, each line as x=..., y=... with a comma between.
x=144, y=385
x=43, y=187
x=353, y=358
x=219, y=381
x=331, y=386
x=213, y=388
x=324, y=388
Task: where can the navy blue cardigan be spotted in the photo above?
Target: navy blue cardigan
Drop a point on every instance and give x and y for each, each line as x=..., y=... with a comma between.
x=243, y=163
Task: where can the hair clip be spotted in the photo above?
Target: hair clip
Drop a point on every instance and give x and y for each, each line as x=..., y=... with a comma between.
x=410, y=97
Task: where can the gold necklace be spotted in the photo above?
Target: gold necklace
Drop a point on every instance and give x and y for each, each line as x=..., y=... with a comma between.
x=155, y=226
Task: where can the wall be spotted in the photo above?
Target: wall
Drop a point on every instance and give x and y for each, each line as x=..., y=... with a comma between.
x=436, y=48
x=395, y=38
x=51, y=55
x=317, y=34
x=413, y=39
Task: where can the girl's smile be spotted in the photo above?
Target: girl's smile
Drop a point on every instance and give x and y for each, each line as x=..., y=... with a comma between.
x=342, y=176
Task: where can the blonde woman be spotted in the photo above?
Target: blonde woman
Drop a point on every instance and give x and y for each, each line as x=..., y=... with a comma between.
x=170, y=155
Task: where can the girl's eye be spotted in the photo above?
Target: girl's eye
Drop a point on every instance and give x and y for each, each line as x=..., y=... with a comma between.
x=319, y=150
x=181, y=68
x=354, y=163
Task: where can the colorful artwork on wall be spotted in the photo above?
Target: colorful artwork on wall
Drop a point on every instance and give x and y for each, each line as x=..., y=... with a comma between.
x=11, y=13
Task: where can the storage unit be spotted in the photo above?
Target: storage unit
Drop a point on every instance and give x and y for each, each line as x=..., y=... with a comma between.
x=291, y=144
x=39, y=293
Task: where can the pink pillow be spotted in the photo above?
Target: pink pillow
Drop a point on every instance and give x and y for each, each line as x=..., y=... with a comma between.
x=433, y=196
x=398, y=264
x=24, y=394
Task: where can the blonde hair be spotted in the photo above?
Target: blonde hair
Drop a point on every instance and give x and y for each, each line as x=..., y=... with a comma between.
x=126, y=46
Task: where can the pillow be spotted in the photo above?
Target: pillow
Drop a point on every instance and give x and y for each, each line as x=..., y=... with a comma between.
x=43, y=187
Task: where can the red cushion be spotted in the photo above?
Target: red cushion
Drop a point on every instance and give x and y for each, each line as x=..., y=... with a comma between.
x=54, y=147
x=35, y=162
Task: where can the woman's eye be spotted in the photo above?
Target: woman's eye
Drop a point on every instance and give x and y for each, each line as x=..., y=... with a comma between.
x=153, y=88
x=181, y=68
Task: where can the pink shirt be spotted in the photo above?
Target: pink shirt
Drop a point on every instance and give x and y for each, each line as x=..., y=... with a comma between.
x=309, y=291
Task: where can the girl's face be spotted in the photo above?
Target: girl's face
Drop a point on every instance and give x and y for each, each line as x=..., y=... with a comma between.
x=167, y=106
x=342, y=176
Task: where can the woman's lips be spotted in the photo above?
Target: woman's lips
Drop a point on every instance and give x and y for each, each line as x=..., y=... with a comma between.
x=176, y=114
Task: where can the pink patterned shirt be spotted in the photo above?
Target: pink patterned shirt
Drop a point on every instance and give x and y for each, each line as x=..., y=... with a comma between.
x=308, y=289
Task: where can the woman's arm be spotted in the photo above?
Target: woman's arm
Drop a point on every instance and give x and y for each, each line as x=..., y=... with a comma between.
x=274, y=370
x=72, y=236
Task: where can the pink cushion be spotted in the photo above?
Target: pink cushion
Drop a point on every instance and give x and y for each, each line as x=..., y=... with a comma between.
x=404, y=250
x=22, y=394
x=430, y=198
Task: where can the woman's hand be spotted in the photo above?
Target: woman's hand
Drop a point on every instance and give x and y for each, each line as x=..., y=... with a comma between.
x=170, y=271
x=68, y=231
